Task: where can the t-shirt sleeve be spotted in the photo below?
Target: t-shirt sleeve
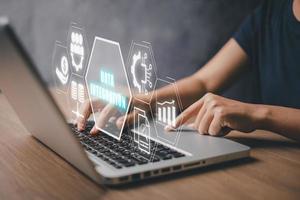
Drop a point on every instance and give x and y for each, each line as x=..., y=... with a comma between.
x=248, y=33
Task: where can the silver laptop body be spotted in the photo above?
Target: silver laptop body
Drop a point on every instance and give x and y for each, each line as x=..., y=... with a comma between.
x=23, y=87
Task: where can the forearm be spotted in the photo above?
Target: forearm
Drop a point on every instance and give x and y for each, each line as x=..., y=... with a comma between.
x=282, y=120
x=215, y=76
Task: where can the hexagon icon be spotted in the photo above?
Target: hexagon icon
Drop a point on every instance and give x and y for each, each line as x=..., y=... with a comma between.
x=61, y=67
x=77, y=96
x=108, y=87
x=78, y=49
x=141, y=68
x=166, y=111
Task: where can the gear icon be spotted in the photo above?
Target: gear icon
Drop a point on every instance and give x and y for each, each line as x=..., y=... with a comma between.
x=135, y=59
x=147, y=69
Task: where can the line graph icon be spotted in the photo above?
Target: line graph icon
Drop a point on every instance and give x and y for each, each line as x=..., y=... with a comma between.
x=166, y=112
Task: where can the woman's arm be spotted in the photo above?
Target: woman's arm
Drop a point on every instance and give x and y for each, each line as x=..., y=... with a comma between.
x=216, y=115
x=223, y=69
x=216, y=75
x=282, y=120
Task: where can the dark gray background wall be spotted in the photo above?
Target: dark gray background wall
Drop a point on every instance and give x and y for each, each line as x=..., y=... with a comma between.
x=184, y=33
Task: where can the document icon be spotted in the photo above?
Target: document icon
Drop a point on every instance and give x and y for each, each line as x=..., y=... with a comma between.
x=142, y=131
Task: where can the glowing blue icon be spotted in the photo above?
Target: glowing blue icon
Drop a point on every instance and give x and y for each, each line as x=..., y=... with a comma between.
x=107, y=78
x=104, y=90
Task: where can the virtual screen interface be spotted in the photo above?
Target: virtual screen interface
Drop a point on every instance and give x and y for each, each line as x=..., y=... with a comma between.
x=95, y=83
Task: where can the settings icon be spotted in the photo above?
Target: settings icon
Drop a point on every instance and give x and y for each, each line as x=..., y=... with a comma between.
x=142, y=68
x=147, y=69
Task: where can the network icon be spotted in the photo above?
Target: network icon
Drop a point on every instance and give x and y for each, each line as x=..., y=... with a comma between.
x=78, y=49
x=142, y=68
x=140, y=61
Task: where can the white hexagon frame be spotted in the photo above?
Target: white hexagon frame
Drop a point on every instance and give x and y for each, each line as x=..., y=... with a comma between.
x=127, y=83
x=178, y=131
x=145, y=45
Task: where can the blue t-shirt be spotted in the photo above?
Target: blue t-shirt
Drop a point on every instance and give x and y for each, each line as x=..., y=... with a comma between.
x=271, y=38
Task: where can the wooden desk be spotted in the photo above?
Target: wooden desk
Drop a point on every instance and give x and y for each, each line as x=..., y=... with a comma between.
x=28, y=170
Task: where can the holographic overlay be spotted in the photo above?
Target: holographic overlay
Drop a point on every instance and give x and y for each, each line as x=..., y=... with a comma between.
x=78, y=49
x=61, y=67
x=143, y=129
x=166, y=111
x=141, y=68
x=108, y=86
x=77, y=96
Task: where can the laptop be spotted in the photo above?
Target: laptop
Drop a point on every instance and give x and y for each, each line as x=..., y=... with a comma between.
x=103, y=158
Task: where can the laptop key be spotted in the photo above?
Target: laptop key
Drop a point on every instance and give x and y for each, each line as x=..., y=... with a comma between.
x=142, y=161
x=155, y=159
x=178, y=155
x=123, y=153
x=167, y=157
x=129, y=164
x=100, y=155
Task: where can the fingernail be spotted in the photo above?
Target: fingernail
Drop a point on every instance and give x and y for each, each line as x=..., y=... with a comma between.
x=119, y=122
x=120, y=119
x=191, y=125
x=194, y=126
x=93, y=131
x=80, y=126
x=169, y=128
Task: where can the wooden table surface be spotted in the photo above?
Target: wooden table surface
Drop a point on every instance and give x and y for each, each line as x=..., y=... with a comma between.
x=28, y=170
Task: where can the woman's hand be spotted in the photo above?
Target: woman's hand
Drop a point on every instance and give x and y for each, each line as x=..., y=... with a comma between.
x=106, y=111
x=216, y=115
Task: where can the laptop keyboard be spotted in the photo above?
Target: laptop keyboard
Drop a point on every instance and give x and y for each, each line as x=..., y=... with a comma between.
x=123, y=153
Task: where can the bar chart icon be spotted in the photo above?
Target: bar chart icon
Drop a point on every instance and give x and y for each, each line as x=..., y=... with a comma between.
x=166, y=113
